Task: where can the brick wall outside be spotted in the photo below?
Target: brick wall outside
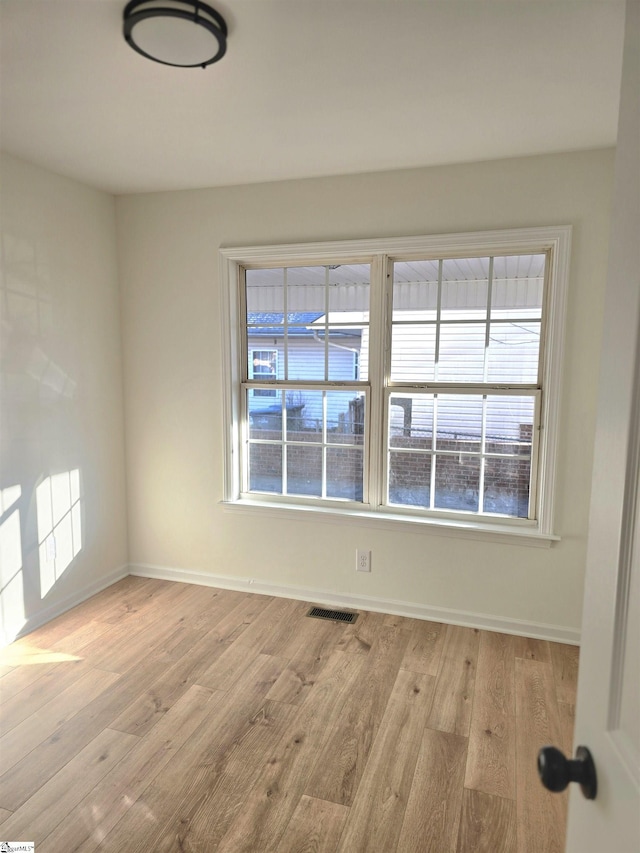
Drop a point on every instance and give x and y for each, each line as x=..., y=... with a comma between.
x=456, y=475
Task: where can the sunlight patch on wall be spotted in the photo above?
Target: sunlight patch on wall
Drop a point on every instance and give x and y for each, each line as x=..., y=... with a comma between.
x=8, y=497
x=59, y=526
x=12, y=616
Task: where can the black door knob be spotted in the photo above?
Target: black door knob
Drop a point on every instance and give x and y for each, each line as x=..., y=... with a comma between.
x=556, y=771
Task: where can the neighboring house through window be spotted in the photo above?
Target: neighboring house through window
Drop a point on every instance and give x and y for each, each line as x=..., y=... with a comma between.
x=262, y=366
x=413, y=379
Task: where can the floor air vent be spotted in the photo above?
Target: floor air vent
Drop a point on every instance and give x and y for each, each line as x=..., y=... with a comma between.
x=333, y=615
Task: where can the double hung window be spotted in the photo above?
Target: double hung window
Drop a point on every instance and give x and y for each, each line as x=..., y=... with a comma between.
x=413, y=378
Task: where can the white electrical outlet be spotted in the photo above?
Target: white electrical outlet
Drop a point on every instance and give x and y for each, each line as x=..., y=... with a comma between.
x=363, y=561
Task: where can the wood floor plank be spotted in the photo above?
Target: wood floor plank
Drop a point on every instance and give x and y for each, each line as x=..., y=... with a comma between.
x=491, y=765
x=270, y=803
x=210, y=646
x=57, y=797
x=541, y=815
x=453, y=697
x=567, y=712
x=203, y=607
x=565, y=659
x=488, y=824
x=222, y=798
x=95, y=629
x=311, y=748
x=358, y=638
x=153, y=627
x=93, y=608
x=281, y=635
x=32, y=731
x=315, y=827
x=375, y=818
x=140, y=599
x=226, y=670
x=392, y=620
x=20, y=783
x=309, y=634
x=204, y=786
x=432, y=817
x=425, y=647
x=171, y=813
x=224, y=633
x=530, y=649
x=94, y=611
x=302, y=671
x=39, y=692
x=76, y=641
x=148, y=709
x=21, y=654
x=345, y=755
x=17, y=679
x=119, y=790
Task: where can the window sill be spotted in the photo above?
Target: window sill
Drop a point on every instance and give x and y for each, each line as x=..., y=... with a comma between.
x=507, y=534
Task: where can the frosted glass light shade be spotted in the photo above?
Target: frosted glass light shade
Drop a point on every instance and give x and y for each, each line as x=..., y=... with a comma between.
x=183, y=33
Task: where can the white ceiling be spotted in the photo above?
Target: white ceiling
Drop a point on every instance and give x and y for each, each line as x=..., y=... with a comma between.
x=308, y=88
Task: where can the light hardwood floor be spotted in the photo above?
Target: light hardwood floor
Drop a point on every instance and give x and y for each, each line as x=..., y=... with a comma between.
x=160, y=717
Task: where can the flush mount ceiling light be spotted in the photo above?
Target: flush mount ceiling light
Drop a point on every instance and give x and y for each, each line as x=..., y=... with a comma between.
x=184, y=33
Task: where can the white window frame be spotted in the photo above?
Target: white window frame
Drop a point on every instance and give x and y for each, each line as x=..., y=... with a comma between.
x=555, y=241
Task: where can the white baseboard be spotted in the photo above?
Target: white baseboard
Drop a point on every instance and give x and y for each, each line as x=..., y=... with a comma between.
x=48, y=613
x=504, y=625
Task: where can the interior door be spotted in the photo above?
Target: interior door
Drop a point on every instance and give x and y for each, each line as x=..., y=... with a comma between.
x=608, y=704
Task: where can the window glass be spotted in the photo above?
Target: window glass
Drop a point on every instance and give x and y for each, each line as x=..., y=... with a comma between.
x=443, y=419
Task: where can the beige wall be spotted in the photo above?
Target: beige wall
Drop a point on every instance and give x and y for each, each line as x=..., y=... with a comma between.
x=168, y=252
x=61, y=390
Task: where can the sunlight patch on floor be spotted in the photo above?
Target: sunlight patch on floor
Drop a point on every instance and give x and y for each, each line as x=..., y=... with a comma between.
x=22, y=654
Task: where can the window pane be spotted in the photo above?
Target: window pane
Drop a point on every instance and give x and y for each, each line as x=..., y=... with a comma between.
x=265, y=295
x=304, y=470
x=333, y=353
x=349, y=289
x=461, y=357
x=263, y=366
x=345, y=417
x=509, y=425
x=411, y=421
x=459, y=422
x=306, y=358
x=314, y=318
x=506, y=486
x=415, y=288
x=263, y=363
x=265, y=468
x=413, y=352
x=306, y=291
x=454, y=321
x=457, y=482
x=465, y=285
x=409, y=478
x=265, y=415
x=304, y=415
x=344, y=473
x=513, y=352
x=518, y=286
